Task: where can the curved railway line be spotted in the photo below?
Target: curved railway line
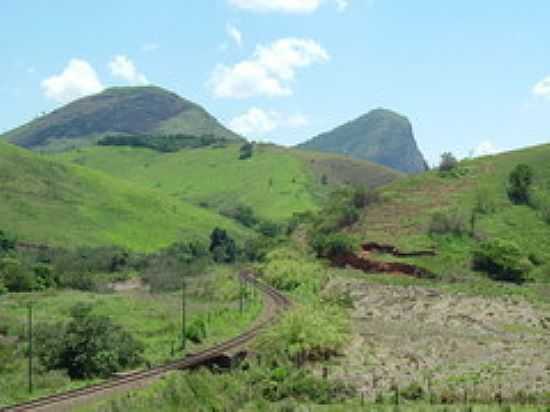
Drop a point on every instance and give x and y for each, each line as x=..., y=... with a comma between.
x=275, y=303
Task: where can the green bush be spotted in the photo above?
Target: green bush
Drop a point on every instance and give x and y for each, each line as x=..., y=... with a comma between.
x=163, y=143
x=502, y=260
x=196, y=330
x=306, y=332
x=448, y=223
x=332, y=245
x=246, y=150
x=269, y=229
x=44, y=276
x=448, y=162
x=362, y=197
x=15, y=276
x=87, y=346
x=484, y=202
x=519, y=184
x=243, y=214
x=7, y=241
x=222, y=246
x=288, y=271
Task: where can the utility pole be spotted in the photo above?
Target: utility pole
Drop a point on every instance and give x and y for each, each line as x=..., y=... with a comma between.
x=29, y=327
x=241, y=295
x=183, y=314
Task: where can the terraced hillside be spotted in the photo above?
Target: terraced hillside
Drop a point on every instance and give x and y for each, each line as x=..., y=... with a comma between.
x=276, y=182
x=479, y=185
x=118, y=110
x=45, y=201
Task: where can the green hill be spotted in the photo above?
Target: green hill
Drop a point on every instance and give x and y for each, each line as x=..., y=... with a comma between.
x=44, y=201
x=406, y=214
x=381, y=136
x=120, y=110
x=276, y=182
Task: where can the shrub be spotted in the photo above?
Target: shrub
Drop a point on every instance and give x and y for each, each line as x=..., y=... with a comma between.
x=7, y=241
x=269, y=229
x=412, y=392
x=290, y=272
x=222, y=246
x=519, y=184
x=3, y=288
x=484, y=202
x=363, y=197
x=196, y=330
x=448, y=162
x=246, y=150
x=333, y=245
x=448, y=223
x=540, y=200
x=243, y=214
x=15, y=276
x=313, y=333
x=88, y=346
x=502, y=260
x=44, y=276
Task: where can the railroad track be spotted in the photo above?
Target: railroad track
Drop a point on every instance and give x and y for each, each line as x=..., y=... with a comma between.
x=276, y=303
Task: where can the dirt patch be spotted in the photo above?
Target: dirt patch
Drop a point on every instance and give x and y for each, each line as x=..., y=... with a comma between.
x=128, y=285
x=459, y=343
x=392, y=250
x=365, y=262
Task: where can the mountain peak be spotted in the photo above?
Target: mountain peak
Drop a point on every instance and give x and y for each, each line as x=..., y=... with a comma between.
x=381, y=135
x=118, y=110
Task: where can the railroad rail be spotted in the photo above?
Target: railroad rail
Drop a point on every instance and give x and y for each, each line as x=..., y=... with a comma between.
x=276, y=302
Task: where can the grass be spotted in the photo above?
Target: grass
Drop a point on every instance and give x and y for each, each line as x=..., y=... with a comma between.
x=404, y=216
x=154, y=319
x=45, y=201
x=275, y=182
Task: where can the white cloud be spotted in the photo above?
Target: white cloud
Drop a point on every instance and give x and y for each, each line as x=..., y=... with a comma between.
x=258, y=122
x=485, y=148
x=122, y=67
x=542, y=88
x=269, y=71
x=235, y=34
x=342, y=5
x=283, y=6
x=150, y=47
x=78, y=79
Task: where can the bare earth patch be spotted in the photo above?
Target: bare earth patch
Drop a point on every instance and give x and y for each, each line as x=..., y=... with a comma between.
x=414, y=334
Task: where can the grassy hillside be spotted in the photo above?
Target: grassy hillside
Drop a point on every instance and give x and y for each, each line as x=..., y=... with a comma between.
x=44, y=201
x=126, y=110
x=381, y=136
x=404, y=217
x=276, y=182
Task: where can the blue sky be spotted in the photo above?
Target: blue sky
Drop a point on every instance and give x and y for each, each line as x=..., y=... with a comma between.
x=468, y=74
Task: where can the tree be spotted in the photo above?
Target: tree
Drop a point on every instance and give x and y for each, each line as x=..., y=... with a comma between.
x=88, y=346
x=246, y=150
x=269, y=229
x=519, y=184
x=222, y=246
x=7, y=241
x=15, y=276
x=502, y=260
x=448, y=162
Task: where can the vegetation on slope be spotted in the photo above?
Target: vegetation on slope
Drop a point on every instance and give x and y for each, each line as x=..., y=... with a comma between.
x=274, y=181
x=44, y=201
x=381, y=136
x=471, y=211
x=126, y=110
